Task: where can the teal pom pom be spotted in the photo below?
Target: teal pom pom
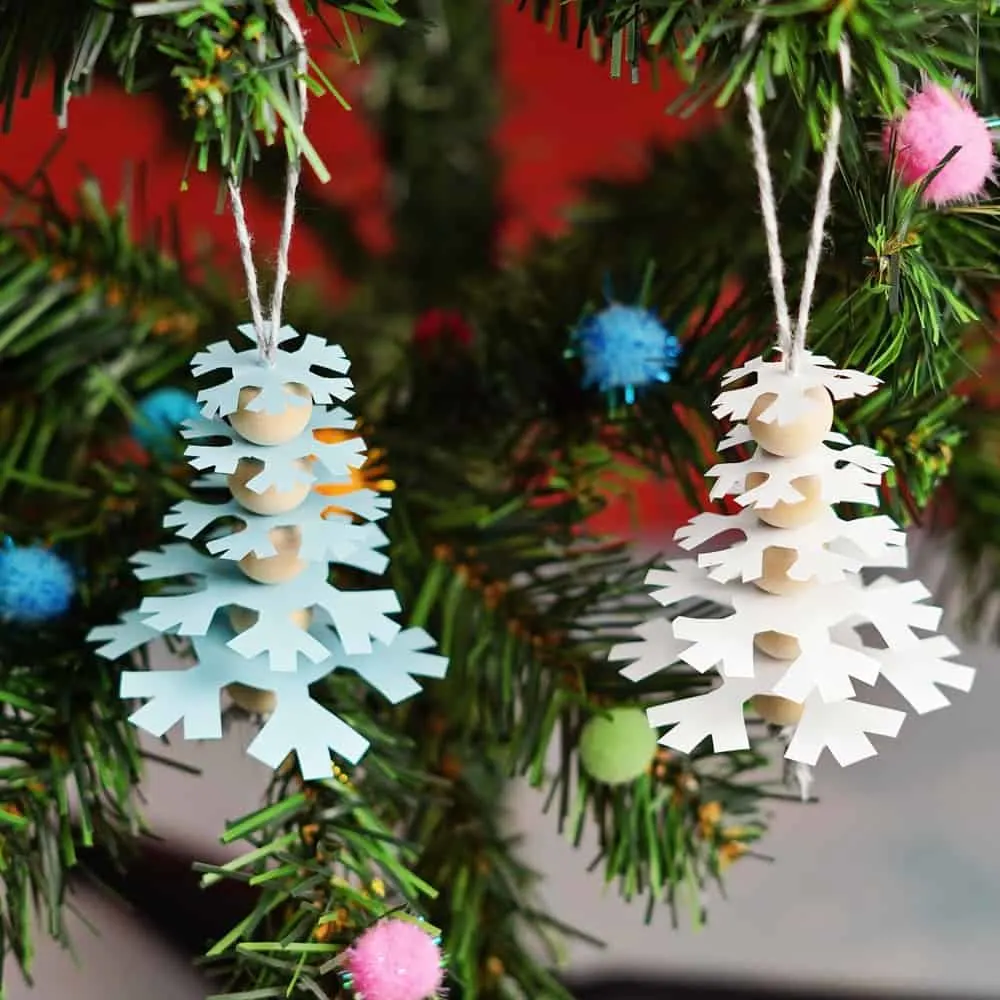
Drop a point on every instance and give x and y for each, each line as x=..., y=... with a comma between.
x=624, y=349
x=36, y=585
x=161, y=415
x=617, y=747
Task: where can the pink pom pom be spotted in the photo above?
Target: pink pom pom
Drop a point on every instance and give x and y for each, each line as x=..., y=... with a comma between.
x=936, y=121
x=395, y=960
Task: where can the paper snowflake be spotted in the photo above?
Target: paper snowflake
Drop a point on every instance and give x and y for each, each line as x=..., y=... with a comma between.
x=791, y=403
x=247, y=369
x=284, y=465
x=350, y=629
x=827, y=549
x=718, y=611
x=847, y=475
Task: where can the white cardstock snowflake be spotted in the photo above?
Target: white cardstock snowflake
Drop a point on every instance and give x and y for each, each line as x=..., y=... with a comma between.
x=823, y=616
x=827, y=548
x=351, y=629
x=791, y=402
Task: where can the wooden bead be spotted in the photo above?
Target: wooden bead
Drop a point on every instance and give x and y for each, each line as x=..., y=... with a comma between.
x=252, y=700
x=272, y=428
x=793, y=514
x=798, y=437
x=774, y=578
x=777, y=711
x=243, y=618
x=285, y=565
x=778, y=645
x=272, y=500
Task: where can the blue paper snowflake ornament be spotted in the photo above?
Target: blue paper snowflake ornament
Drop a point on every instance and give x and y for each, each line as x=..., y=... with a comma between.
x=272, y=650
x=624, y=349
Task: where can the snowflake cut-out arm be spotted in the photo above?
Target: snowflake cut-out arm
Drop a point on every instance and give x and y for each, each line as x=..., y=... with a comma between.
x=827, y=668
x=895, y=609
x=172, y=560
x=875, y=538
x=842, y=727
x=919, y=669
x=364, y=503
x=360, y=616
x=717, y=714
x=191, y=695
x=301, y=726
x=127, y=635
x=683, y=580
x=275, y=635
x=702, y=528
x=391, y=668
x=725, y=643
x=655, y=649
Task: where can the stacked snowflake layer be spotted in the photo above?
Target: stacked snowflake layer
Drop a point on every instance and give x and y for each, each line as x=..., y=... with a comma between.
x=259, y=608
x=790, y=587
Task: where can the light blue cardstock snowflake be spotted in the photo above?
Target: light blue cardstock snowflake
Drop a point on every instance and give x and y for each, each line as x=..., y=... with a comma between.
x=247, y=369
x=282, y=463
x=335, y=537
x=350, y=630
x=298, y=724
x=359, y=616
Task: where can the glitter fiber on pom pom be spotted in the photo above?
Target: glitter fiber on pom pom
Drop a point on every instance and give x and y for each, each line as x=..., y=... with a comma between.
x=624, y=349
x=395, y=960
x=936, y=121
x=36, y=585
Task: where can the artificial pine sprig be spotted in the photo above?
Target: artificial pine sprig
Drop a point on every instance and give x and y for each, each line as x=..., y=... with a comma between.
x=894, y=43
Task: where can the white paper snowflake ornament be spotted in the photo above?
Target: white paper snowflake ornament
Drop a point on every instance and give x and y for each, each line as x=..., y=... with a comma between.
x=785, y=593
x=259, y=608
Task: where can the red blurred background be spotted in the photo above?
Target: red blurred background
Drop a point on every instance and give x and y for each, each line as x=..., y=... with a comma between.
x=564, y=120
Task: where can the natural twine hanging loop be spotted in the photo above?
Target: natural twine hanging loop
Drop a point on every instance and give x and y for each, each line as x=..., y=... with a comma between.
x=267, y=328
x=792, y=341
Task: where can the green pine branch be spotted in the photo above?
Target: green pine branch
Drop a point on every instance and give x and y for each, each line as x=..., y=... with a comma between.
x=232, y=64
x=894, y=43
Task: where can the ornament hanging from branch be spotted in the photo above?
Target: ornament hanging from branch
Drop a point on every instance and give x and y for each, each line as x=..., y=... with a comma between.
x=789, y=591
x=255, y=598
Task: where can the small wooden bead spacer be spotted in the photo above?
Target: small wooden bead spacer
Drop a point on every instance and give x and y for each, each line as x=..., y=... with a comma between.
x=285, y=565
x=254, y=701
x=263, y=428
x=798, y=437
x=778, y=645
x=796, y=513
x=774, y=578
x=271, y=500
x=777, y=711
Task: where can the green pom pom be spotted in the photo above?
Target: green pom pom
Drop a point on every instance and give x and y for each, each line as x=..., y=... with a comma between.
x=616, y=747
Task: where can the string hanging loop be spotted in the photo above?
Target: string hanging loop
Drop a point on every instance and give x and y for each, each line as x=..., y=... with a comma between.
x=792, y=340
x=266, y=327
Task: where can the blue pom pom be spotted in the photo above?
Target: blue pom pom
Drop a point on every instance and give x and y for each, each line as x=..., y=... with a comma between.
x=161, y=415
x=625, y=348
x=36, y=585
